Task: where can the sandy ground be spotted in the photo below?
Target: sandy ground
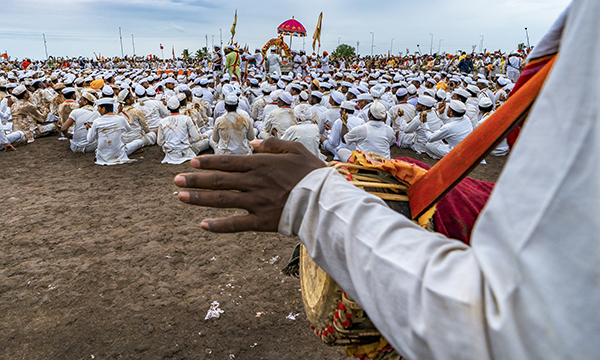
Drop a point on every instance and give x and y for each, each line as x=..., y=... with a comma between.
x=105, y=263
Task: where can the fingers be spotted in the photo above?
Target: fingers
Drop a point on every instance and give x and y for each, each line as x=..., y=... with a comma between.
x=232, y=224
x=277, y=146
x=230, y=163
x=216, y=199
x=214, y=180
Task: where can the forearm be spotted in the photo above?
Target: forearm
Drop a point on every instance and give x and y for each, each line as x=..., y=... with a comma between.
x=418, y=287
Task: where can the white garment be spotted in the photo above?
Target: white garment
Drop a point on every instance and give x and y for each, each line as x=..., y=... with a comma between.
x=108, y=130
x=308, y=135
x=452, y=133
x=525, y=288
x=232, y=135
x=82, y=119
x=373, y=136
x=274, y=62
x=10, y=138
x=175, y=133
x=154, y=111
x=279, y=119
x=334, y=142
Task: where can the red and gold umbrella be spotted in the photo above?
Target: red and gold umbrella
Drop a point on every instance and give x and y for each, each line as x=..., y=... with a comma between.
x=291, y=27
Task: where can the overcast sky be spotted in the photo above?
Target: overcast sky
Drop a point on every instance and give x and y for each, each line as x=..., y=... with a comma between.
x=82, y=27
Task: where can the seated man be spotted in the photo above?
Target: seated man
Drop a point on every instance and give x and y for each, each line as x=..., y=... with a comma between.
x=455, y=130
x=27, y=117
x=280, y=119
x=306, y=132
x=232, y=132
x=81, y=120
x=373, y=136
x=108, y=131
x=340, y=128
x=140, y=134
x=176, y=133
x=6, y=140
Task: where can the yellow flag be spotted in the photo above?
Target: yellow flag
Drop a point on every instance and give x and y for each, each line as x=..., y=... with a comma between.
x=233, y=26
x=317, y=34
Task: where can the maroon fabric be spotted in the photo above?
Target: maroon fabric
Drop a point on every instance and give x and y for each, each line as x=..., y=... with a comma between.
x=457, y=212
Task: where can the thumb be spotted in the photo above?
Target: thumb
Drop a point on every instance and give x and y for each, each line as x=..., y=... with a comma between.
x=274, y=145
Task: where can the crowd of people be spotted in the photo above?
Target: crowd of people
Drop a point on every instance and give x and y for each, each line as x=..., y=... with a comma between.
x=225, y=100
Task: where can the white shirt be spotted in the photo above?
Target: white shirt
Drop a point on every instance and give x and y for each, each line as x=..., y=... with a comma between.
x=373, y=136
x=108, y=130
x=307, y=134
x=154, y=111
x=454, y=131
x=82, y=118
x=174, y=135
x=232, y=134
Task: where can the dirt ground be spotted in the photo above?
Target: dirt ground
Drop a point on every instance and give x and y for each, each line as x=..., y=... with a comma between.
x=105, y=263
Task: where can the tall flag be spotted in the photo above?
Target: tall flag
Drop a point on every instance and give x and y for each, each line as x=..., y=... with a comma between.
x=233, y=26
x=317, y=34
x=161, y=47
x=173, y=51
x=5, y=55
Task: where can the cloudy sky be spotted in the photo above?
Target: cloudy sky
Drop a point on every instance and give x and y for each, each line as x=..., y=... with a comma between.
x=82, y=27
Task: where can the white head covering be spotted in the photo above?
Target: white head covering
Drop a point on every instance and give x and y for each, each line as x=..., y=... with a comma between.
x=485, y=102
x=19, y=90
x=458, y=106
x=304, y=112
x=426, y=100
x=401, y=92
x=286, y=97
x=338, y=97
x=378, y=110
x=348, y=105
x=231, y=99
x=173, y=103
x=123, y=95
x=140, y=90
x=107, y=91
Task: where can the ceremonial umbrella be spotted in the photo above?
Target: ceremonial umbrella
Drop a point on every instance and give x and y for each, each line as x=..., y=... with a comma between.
x=291, y=27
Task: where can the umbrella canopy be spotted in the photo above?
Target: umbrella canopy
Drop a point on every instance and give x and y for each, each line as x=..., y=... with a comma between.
x=291, y=28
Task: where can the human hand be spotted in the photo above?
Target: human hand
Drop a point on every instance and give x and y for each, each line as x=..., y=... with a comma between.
x=9, y=146
x=259, y=183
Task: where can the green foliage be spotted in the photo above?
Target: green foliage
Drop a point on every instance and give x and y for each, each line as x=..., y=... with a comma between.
x=201, y=53
x=344, y=50
x=521, y=46
x=186, y=53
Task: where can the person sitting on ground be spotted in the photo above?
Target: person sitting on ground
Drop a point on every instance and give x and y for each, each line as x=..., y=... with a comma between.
x=232, y=132
x=140, y=134
x=176, y=133
x=81, y=120
x=306, y=132
x=374, y=136
x=107, y=131
x=281, y=118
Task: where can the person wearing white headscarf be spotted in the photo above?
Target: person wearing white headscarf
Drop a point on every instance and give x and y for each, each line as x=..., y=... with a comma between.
x=306, y=131
x=374, y=136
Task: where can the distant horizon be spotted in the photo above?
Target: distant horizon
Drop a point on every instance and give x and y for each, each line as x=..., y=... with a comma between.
x=81, y=27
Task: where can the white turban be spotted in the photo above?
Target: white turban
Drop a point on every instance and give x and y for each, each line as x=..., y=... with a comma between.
x=286, y=97
x=304, y=112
